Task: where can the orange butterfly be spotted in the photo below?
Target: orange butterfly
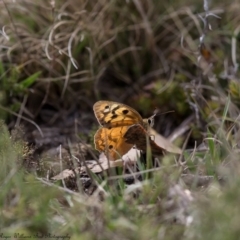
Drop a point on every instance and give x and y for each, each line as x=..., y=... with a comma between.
x=122, y=127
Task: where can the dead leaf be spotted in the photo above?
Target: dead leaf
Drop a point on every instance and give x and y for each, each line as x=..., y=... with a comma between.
x=164, y=143
x=64, y=174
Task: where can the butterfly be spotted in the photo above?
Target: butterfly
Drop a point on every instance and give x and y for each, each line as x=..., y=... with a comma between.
x=122, y=127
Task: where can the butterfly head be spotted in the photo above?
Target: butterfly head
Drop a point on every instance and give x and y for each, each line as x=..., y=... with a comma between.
x=149, y=122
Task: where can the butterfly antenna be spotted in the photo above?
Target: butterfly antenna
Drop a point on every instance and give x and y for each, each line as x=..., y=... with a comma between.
x=157, y=113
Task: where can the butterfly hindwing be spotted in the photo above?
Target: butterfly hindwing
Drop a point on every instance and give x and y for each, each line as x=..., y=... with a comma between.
x=112, y=142
x=136, y=131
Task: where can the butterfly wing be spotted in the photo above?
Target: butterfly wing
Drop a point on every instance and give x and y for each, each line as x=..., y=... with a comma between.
x=113, y=114
x=137, y=136
x=111, y=142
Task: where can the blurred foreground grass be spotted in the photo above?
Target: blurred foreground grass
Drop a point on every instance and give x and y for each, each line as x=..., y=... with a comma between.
x=152, y=209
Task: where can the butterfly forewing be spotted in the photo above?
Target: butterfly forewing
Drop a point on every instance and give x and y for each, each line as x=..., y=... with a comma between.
x=113, y=114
